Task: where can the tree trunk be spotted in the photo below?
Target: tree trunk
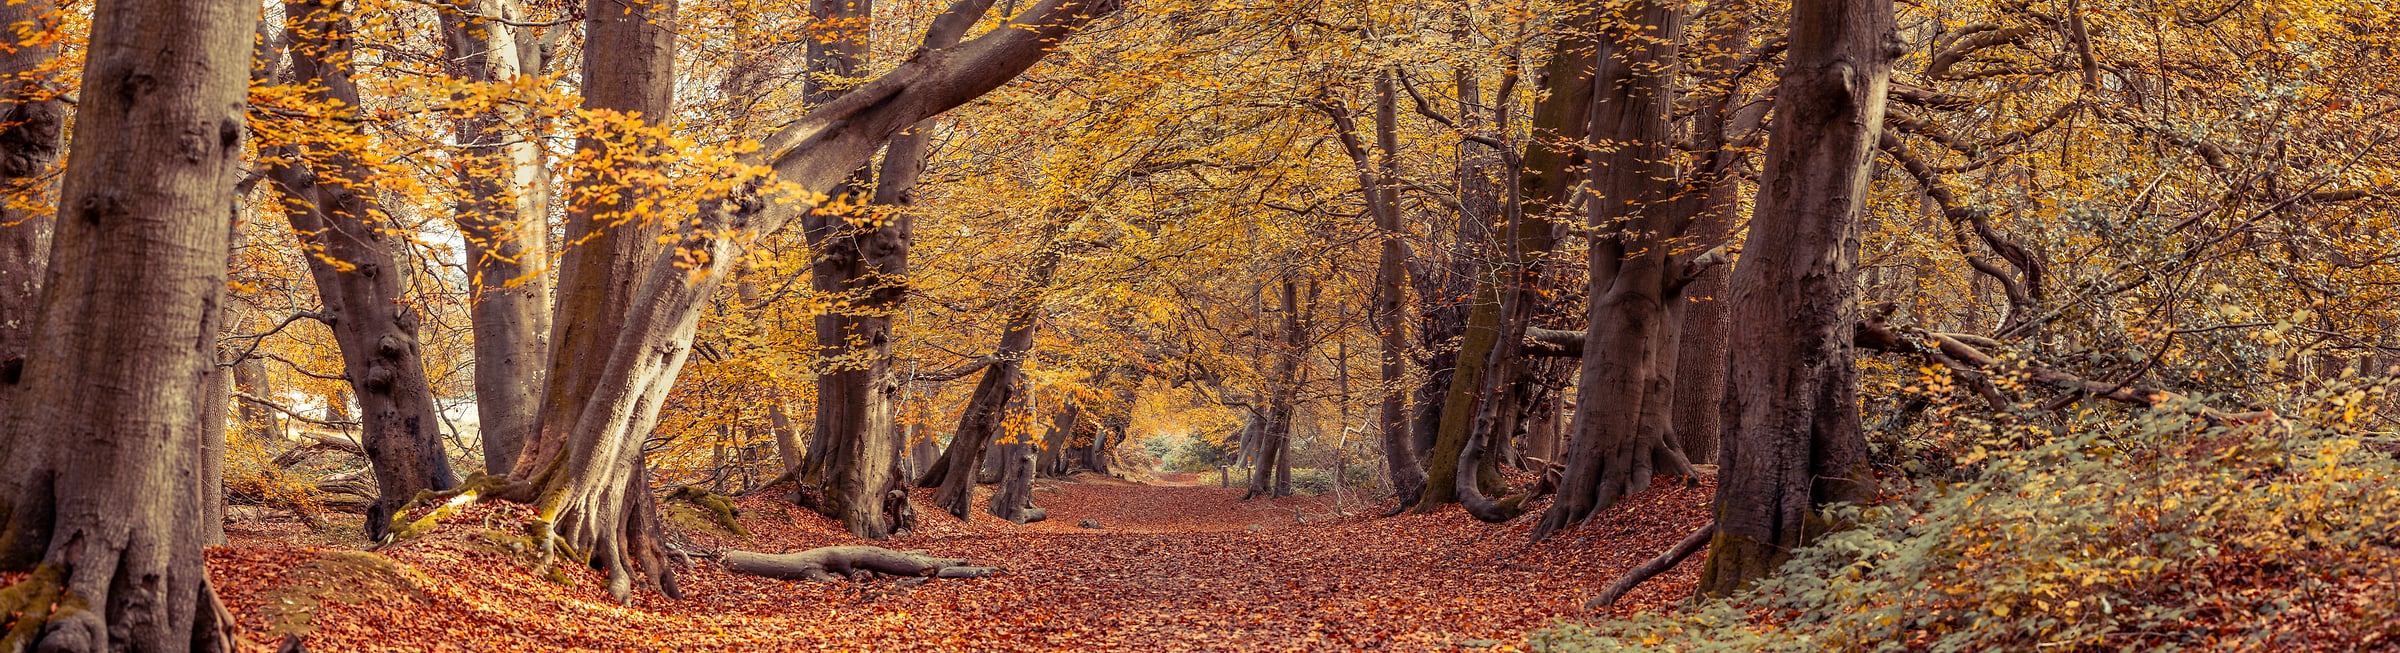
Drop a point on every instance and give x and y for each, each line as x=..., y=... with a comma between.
x=329, y=201
x=813, y=155
x=250, y=377
x=1550, y=168
x=1701, y=344
x=982, y=419
x=99, y=469
x=1053, y=461
x=1613, y=446
x=502, y=215
x=1273, y=475
x=787, y=442
x=30, y=122
x=1391, y=281
x=1792, y=443
x=590, y=477
x=1013, y=499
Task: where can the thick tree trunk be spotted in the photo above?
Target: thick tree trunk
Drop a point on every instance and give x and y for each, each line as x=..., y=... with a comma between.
x=837, y=563
x=1614, y=441
x=502, y=215
x=329, y=201
x=1791, y=443
x=589, y=476
x=1013, y=499
x=1053, y=461
x=1552, y=166
x=30, y=120
x=813, y=154
x=99, y=455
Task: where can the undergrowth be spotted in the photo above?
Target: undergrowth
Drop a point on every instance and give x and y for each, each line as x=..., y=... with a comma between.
x=2151, y=533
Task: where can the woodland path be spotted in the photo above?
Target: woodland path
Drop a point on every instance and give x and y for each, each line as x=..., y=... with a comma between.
x=1176, y=568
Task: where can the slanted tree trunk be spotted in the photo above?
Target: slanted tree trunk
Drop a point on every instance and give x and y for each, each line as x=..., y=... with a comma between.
x=502, y=215
x=1550, y=168
x=1391, y=280
x=813, y=154
x=593, y=481
x=30, y=120
x=330, y=202
x=99, y=455
x=1614, y=445
x=1053, y=461
x=1791, y=443
x=981, y=420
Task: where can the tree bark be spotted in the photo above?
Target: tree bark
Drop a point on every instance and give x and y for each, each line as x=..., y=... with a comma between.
x=1701, y=346
x=331, y=206
x=1550, y=168
x=813, y=154
x=502, y=215
x=31, y=117
x=592, y=480
x=1273, y=475
x=787, y=441
x=1791, y=443
x=99, y=469
x=1375, y=185
x=836, y=563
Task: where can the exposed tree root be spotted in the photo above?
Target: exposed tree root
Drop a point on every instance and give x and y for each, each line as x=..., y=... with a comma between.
x=836, y=563
x=1653, y=568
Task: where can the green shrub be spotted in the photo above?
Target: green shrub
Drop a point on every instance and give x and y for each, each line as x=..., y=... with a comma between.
x=2154, y=533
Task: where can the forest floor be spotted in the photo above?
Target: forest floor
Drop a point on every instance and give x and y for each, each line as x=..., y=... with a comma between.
x=1173, y=568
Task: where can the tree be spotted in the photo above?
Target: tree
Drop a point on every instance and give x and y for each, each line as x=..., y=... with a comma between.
x=596, y=483
x=1792, y=444
x=330, y=199
x=31, y=118
x=98, y=460
x=809, y=157
x=502, y=212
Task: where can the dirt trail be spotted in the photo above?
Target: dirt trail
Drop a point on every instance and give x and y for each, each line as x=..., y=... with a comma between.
x=1175, y=568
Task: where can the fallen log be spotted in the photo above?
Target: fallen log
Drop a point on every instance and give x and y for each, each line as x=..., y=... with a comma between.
x=835, y=563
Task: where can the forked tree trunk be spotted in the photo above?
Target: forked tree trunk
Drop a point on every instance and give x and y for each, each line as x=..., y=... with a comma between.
x=330, y=203
x=1608, y=455
x=99, y=455
x=813, y=154
x=30, y=122
x=593, y=481
x=981, y=420
x=1552, y=166
x=502, y=215
x=1792, y=443
x=1273, y=475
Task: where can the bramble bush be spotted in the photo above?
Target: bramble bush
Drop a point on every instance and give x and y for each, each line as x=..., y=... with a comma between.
x=2151, y=533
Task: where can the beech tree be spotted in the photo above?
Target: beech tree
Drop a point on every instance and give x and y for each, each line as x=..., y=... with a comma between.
x=99, y=468
x=31, y=118
x=810, y=158
x=331, y=202
x=1792, y=443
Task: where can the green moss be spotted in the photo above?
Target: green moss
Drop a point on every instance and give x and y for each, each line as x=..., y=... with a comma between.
x=720, y=509
x=343, y=577
x=35, y=601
